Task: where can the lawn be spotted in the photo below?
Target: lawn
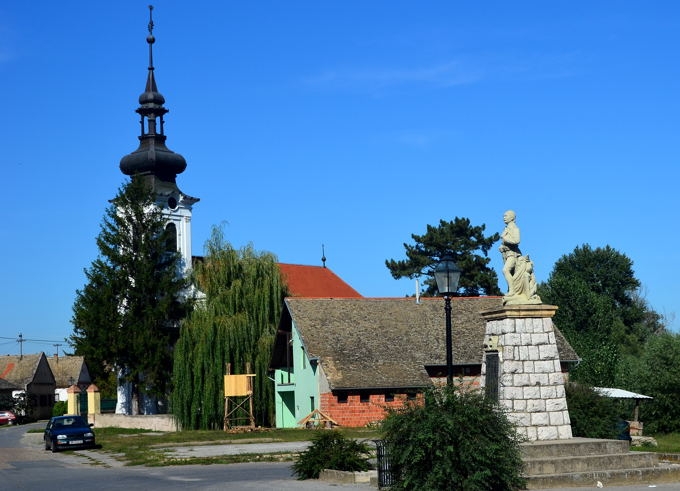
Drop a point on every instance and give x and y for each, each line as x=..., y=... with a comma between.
x=140, y=447
x=669, y=443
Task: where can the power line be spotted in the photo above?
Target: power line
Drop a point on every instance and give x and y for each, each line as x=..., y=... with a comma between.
x=21, y=340
x=28, y=340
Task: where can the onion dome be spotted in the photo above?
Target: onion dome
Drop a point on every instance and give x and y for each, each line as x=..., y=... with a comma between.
x=152, y=157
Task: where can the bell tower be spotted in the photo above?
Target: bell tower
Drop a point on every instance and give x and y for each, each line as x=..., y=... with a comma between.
x=159, y=166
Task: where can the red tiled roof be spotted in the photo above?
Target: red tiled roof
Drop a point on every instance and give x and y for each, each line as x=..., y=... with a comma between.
x=315, y=281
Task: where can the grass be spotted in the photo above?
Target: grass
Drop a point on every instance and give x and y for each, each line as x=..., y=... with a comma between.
x=669, y=443
x=141, y=447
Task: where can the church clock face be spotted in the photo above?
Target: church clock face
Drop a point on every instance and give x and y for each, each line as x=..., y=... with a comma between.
x=172, y=203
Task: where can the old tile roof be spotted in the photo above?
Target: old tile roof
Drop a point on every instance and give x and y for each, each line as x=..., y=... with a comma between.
x=19, y=370
x=68, y=370
x=5, y=385
x=315, y=281
x=386, y=343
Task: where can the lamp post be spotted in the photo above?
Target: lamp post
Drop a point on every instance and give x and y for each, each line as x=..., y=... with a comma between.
x=447, y=275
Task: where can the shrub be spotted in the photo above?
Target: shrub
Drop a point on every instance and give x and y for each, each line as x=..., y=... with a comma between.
x=591, y=415
x=660, y=378
x=60, y=408
x=331, y=450
x=455, y=440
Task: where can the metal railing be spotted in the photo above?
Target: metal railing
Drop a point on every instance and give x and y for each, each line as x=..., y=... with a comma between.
x=385, y=475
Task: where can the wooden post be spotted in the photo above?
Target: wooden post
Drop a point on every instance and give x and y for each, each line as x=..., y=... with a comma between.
x=250, y=397
x=226, y=402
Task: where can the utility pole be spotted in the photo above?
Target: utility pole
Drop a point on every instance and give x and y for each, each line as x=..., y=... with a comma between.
x=57, y=347
x=21, y=341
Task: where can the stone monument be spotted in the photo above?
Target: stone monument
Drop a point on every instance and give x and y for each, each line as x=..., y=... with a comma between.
x=521, y=364
x=518, y=270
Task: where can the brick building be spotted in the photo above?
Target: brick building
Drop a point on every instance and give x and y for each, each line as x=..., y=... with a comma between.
x=351, y=358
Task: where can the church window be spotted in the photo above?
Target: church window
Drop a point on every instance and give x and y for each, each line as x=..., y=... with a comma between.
x=171, y=237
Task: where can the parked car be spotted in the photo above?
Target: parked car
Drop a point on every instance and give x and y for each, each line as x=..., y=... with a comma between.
x=7, y=418
x=68, y=431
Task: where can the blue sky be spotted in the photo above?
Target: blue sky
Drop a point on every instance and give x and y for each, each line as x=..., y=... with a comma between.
x=350, y=124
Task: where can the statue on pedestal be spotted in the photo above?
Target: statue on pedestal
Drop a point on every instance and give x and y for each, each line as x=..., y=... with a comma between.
x=517, y=269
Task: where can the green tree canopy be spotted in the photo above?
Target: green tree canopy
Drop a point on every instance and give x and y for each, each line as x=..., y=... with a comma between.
x=659, y=377
x=126, y=317
x=600, y=310
x=235, y=323
x=469, y=248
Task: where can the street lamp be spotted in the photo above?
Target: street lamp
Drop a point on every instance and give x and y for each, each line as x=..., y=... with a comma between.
x=447, y=275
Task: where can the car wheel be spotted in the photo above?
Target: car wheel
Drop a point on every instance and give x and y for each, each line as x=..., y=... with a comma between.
x=47, y=445
x=53, y=447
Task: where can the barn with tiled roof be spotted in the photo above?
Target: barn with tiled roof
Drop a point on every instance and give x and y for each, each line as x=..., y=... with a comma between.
x=352, y=357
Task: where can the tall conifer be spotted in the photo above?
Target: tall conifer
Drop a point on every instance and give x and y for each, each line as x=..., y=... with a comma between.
x=126, y=318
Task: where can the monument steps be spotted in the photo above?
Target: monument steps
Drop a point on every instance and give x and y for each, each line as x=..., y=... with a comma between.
x=585, y=462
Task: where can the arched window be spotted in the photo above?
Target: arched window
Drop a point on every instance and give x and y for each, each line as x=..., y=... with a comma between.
x=171, y=237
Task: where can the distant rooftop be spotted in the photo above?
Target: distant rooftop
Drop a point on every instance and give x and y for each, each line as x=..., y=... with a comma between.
x=315, y=281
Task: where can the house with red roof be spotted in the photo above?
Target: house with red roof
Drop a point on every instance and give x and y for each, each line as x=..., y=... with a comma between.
x=315, y=281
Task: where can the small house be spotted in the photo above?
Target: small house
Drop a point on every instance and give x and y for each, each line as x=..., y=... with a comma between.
x=68, y=371
x=30, y=374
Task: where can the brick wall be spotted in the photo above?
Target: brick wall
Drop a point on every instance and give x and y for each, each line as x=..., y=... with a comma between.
x=357, y=413
x=354, y=412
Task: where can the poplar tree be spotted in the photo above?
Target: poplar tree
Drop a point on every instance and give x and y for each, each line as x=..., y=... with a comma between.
x=126, y=317
x=235, y=323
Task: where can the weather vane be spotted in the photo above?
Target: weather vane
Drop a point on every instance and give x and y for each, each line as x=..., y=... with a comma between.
x=150, y=20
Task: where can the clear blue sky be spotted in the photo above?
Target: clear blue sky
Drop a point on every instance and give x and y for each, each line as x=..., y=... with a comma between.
x=351, y=124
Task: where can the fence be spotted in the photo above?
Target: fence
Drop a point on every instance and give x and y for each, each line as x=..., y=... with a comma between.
x=385, y=475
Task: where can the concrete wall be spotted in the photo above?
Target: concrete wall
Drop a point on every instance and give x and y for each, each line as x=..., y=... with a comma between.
x=157, y=422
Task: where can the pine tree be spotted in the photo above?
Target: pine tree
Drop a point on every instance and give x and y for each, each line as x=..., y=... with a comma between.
x=464, y=243
x=126, y=318
x=236, y=324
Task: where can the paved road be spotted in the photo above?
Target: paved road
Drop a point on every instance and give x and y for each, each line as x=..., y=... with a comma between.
x=25, y=465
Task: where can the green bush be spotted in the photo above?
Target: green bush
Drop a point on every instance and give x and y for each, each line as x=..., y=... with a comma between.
x=331, y=450
x=60, y=408
x=591, y=415
x=456, y=440
x=660, y=378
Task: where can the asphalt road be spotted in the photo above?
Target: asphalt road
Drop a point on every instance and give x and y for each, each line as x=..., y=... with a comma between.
x=25, y=465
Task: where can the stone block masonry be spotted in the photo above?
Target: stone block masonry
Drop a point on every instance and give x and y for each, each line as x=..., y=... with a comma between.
x=530, y=380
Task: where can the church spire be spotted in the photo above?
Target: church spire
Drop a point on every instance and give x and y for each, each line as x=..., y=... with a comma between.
x=152, y=158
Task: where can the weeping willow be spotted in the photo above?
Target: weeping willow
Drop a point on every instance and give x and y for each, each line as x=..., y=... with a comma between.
x=236, y=323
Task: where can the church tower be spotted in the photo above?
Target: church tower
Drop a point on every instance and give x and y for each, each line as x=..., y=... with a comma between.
x=157, y=164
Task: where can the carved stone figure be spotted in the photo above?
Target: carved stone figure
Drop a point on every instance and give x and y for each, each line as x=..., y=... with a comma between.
x=517, y=269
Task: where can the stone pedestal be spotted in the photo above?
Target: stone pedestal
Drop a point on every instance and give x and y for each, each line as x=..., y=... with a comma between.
x=520, y=339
